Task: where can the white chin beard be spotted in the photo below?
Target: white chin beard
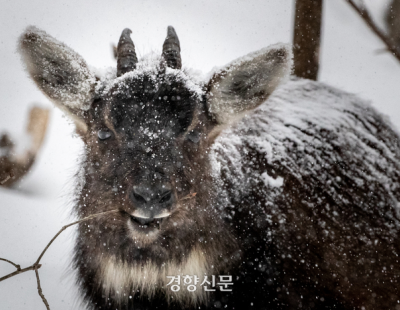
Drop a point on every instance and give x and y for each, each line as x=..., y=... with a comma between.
x=141, y=235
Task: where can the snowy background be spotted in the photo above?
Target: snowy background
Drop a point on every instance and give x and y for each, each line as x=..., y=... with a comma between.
x=212, y=33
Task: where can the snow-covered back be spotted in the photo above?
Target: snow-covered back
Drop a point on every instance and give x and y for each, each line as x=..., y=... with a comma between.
x=319, y=136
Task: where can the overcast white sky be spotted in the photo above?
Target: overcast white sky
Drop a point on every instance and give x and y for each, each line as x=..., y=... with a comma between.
x=211, y=32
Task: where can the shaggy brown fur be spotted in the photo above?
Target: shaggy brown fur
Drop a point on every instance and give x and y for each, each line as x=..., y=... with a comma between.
x=298, y=201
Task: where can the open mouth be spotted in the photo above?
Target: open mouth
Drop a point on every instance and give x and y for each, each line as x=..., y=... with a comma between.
x=146, y=223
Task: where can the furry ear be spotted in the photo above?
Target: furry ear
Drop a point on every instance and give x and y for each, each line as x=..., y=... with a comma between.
x=247, y=82
x=58, y=71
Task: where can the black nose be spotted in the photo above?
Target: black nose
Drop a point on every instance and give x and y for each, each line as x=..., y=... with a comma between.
x=151, y=200
x=147, y=194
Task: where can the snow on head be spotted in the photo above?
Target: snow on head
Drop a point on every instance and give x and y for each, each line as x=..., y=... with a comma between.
x=151, y=66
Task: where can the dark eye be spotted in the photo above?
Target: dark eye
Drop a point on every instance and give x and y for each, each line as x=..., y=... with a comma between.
x=193, y=136
x=104, y=134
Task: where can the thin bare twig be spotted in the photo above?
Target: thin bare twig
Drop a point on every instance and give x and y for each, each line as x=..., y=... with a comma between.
x=71, y=224
x=363, y=12
x=36, y=265
x=19, y=271
x=189, y=196
x=8, y=261
x=5, y=180
x=39, y=288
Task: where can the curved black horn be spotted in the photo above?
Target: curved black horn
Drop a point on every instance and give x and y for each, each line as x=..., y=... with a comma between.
x=126, y=55
x=172, y=49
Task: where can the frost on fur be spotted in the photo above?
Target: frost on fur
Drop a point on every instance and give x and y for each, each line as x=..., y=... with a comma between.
x=306, y=128
x=248, y=81
x=57, y=70
x=294, y=196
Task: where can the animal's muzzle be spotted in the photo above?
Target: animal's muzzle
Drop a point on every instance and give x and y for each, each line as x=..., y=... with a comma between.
x=152, y=200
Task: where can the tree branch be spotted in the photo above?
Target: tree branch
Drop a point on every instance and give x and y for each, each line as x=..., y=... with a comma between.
x=69, y=225
x=19, y=271
x=36, y=265
x=363, y=12
x=39, y=288
x=15, y=265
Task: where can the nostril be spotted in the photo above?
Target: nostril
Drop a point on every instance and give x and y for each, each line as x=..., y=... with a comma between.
x=145, y=195
x=166, y=197
x=139, y=198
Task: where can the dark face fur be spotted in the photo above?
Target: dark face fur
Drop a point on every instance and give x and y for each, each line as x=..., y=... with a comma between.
x=146, y=141
x=147, y=135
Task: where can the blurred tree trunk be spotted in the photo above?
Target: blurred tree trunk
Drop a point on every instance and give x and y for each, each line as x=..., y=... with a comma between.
x=15, y=165
x=393, y=22
x=307, y=37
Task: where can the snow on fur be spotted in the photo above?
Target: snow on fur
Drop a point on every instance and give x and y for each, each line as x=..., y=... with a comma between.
x=58, y=71
x=64, y=76
x=149, y=66
x=323, y=139
x=241, y=85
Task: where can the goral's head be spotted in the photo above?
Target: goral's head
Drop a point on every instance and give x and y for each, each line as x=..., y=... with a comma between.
x=147, y=128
